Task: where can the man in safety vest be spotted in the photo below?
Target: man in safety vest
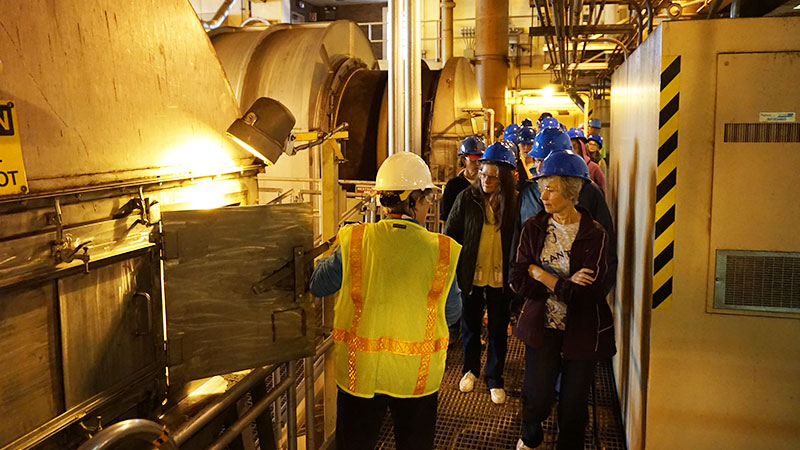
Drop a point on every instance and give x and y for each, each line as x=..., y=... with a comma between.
x=396, y=296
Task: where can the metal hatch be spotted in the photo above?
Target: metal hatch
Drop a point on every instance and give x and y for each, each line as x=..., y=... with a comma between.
x=216, y=323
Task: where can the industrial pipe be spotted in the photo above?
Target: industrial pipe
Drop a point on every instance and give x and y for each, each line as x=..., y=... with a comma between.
x=413, y=77
x=447, y=30
x=714, y=8
x=139, y=430
x=220, y=16
x=397, y=117
x=735, y=9
x=491, y=54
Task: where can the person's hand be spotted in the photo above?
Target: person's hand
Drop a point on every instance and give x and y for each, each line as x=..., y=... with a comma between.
x=583, y=277
x=534, y=271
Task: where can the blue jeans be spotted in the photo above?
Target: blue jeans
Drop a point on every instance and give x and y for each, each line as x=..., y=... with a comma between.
x=542, y=367
x=498, y=306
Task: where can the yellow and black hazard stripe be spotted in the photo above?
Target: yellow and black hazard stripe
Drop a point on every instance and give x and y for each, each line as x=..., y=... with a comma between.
x=164, y=437
x=666, y=178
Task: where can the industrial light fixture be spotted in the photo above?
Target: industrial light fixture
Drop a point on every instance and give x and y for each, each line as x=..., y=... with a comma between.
x=264, y=129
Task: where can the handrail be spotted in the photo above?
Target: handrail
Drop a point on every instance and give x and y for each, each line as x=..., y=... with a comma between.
x=140, y=430
x=221, y=404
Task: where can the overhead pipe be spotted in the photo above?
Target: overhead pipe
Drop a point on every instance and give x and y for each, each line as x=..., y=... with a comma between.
x=447, y=30
x=220, y=16
x=491, y=54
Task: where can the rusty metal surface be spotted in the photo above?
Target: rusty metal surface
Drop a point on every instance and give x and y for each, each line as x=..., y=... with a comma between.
x=215, y=323
x=109, y=318
x=118, y=90
x=457, y=89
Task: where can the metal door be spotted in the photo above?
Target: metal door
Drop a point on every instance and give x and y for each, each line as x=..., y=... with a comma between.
x=212, y=258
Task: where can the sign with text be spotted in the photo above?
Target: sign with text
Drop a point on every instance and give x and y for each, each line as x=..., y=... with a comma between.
x=12, y=168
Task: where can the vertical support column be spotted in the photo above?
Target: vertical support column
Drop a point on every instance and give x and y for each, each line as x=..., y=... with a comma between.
x=447, y=30
x=413, y=77
x=491, y=54
x=396, y=83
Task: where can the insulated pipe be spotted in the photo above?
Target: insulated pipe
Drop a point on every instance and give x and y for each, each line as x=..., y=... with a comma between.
x=447, y=30
x=491, y=54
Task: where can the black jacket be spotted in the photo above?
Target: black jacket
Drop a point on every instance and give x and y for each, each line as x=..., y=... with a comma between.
x=465, y=225
x=589, y=333
x=451, y=191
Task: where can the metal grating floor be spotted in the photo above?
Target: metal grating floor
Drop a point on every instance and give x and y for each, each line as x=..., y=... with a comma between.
x=472, y=422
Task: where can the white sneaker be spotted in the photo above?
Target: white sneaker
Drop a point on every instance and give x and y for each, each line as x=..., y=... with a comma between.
x=521, y=446
x=498, y=395
x=467, y=382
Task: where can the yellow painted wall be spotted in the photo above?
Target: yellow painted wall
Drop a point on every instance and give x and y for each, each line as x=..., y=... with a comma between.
x=690, y=377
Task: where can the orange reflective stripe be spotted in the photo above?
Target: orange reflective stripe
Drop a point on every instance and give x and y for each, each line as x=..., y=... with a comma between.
x=356, y=279
x=383, y=343
x=437, y=287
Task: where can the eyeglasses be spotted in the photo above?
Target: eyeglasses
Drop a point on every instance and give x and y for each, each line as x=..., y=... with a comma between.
x=488, y=177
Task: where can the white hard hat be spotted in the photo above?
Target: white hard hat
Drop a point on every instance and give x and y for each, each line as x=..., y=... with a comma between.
x=404, y=171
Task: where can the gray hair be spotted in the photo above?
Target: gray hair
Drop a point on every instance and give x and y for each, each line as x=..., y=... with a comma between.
x=570, y=187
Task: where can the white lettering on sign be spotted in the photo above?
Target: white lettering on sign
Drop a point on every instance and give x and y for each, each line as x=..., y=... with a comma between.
x=12, y=169
x=777, y=116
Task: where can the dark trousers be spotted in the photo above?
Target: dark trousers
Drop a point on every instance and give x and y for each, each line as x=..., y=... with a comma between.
x=542, y=367
x=358, y=421
x=498, y=306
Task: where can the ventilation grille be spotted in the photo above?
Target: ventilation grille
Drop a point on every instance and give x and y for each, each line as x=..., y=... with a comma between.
x=758, y=281
x=762, y=132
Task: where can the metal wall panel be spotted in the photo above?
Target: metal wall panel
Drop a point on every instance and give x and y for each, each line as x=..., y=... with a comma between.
x=632, y=176
x=30, y=365
x=215, y=323
x=110, y=91
x=709, y=380
x=109, y=320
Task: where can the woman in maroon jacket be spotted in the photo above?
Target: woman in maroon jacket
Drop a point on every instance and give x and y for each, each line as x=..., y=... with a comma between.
x=565, y=323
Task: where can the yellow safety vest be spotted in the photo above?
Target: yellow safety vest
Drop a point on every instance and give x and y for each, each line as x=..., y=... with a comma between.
x=389, y=328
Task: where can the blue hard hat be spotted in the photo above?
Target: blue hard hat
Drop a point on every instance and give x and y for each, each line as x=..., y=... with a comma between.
x=527, y=135
x=597, y=138
x=471, y=145
x=547, y=141
x=500, y=152
x=596, y=123
x=576, y=133
x=550, y=122
x=565, y=164
x=511, y=133
x=527, y=123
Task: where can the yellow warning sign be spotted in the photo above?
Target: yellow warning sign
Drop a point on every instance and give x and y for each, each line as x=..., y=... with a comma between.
x=12, y=168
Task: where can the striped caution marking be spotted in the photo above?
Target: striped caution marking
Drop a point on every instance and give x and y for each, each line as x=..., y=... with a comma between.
x=666, y=176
